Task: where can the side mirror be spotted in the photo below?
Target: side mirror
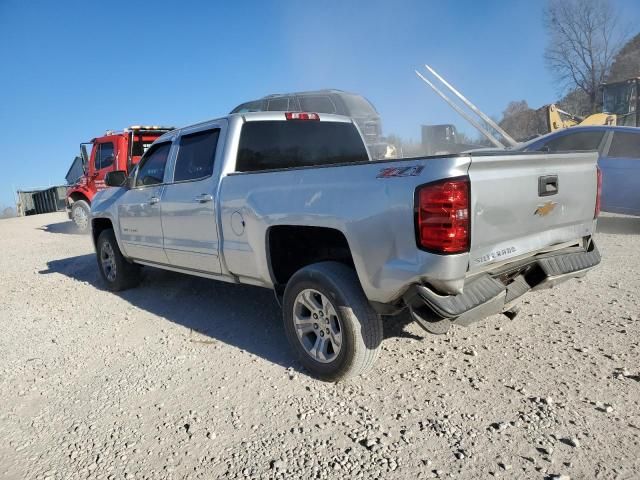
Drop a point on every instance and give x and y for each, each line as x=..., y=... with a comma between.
x=116, y=178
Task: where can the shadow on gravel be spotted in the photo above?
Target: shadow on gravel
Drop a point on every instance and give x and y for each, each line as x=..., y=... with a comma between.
x=68, y=228
x=246, y=317
x=243, y=316
x=619, y=225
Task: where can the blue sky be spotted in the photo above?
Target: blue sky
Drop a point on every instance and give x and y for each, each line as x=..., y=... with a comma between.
x=71, y=70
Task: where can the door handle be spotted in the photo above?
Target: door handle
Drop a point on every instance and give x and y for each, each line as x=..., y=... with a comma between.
x=153, y=200
x=548, y=185
x=204, y=198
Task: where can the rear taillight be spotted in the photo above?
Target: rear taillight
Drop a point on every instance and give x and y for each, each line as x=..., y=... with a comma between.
x=442, y=216
x=301, y=116
x=598, y=192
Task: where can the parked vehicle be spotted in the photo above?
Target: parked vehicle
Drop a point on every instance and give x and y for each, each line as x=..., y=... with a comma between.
x=329, y=101
x=291, y=201
x=619, y=149
x=112, y=151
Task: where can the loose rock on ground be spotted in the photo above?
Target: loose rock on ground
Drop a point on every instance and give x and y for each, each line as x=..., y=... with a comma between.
x=188, y=378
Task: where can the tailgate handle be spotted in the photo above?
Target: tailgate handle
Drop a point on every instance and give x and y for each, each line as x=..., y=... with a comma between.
x=547, y=185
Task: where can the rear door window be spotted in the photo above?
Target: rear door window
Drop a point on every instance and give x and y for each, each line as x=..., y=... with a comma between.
x=255, y=106
x=574, y=142
x=273, y=145
x=625, y=145
x=152, y=165
x=359, y=106
x=104, y=155
x=195, y=156
x=280, y=104
x=317, y=103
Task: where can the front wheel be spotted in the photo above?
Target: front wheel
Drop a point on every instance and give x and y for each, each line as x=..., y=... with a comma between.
x=80, y=215
x=117, y=272
x=329, y=321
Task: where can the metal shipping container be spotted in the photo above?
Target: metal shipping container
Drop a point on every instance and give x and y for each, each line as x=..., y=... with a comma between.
x=33, y=202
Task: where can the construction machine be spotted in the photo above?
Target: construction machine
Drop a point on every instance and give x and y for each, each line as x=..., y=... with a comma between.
x=622, y=100
x=620, y=106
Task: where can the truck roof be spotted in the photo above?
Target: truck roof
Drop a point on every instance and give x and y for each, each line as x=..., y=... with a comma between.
x=136, y=129
x=323, y=91
x=253, y=117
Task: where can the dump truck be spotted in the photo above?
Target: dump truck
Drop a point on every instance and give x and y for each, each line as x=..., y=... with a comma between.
x=115, y=150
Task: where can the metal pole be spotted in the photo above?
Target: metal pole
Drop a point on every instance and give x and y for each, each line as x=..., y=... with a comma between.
x=464, y=114
x=486, y=118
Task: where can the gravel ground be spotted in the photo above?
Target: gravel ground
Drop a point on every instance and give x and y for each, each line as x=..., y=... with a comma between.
x=189, y=378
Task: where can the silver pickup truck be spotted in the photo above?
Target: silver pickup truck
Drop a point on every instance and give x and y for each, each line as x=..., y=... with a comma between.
x=292, y=202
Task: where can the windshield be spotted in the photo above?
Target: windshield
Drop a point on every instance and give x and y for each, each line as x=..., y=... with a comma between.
x=619, y=98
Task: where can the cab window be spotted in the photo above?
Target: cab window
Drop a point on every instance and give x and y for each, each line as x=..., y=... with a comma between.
x=574, y=142
x=625, y=145
x=104, y=155
x=317, y=103
x=152, y=165
x=272, y=145
x=195, y=156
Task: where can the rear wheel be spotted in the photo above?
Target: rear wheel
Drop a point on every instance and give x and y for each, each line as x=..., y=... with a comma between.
x=329, y=321
x=117, y=272
x=80, y=215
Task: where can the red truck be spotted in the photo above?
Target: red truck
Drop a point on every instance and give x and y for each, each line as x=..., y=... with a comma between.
x=112, y=151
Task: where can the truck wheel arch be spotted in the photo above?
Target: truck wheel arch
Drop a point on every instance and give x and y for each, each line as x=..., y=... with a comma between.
x=75, y=196
x=292, y=247
x=99, y=225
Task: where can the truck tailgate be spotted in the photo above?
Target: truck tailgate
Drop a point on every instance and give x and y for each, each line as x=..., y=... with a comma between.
x=527, y=202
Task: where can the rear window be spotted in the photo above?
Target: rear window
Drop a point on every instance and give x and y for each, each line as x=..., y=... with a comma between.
x=141, y=144
x=574, y=141
x=272, y=145
x=358, y=106
x=625, y=145
x=317, y=103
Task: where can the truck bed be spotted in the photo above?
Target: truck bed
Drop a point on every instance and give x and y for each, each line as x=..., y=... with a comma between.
x=373, y=205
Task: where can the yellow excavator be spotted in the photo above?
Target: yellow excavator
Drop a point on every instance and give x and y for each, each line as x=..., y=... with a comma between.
x=621, y=106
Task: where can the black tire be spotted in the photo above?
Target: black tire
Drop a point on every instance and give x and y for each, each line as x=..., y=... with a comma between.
x=361, y=326
x=125, y=274
x=80, y=211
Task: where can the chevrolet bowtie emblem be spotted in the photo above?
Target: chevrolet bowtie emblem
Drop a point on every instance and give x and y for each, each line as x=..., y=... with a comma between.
x=545, y=209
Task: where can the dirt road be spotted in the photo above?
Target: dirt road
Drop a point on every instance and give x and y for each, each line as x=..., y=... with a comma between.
x=189, y=378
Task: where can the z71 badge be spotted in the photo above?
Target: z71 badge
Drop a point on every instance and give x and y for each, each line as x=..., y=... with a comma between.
x=411, y=171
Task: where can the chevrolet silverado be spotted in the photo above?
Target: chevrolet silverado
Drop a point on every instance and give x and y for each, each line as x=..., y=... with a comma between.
x=291, y=201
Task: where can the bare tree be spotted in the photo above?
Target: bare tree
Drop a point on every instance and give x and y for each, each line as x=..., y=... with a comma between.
x=522, y=122
x=584, y=38
x=627, y=63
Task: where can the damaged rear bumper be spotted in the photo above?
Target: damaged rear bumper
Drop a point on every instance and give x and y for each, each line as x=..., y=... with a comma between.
x=495, y=292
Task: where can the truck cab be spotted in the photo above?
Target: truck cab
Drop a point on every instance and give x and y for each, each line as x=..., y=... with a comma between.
x=115, y=150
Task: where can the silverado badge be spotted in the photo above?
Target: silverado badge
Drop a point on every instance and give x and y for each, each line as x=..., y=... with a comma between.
x=545, y=209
